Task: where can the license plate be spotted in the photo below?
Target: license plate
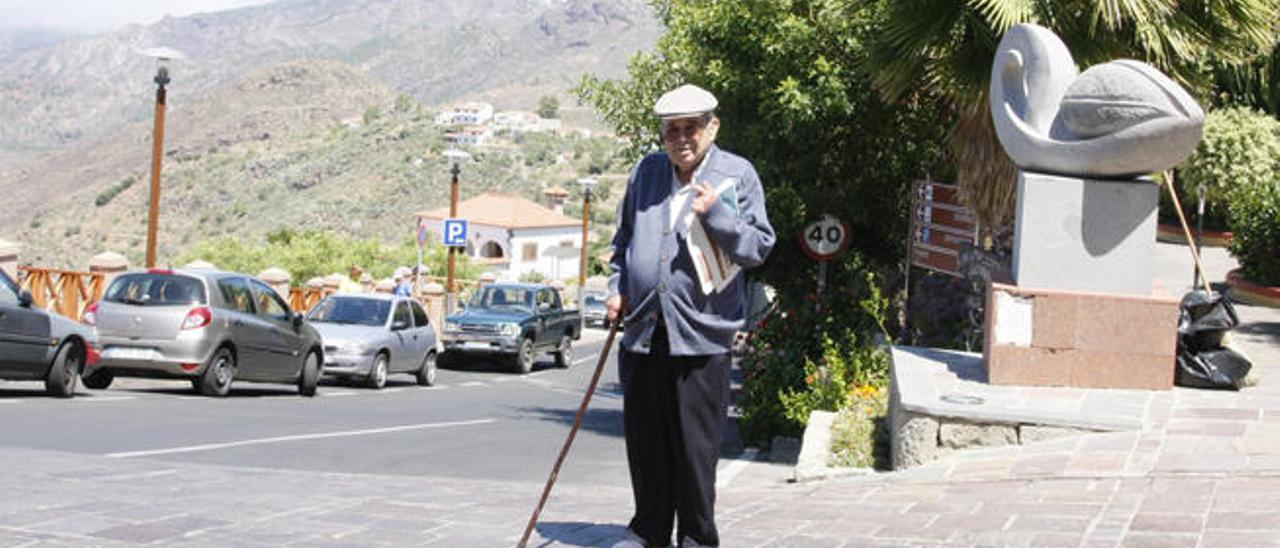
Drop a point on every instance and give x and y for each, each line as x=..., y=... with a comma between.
x=475, y=345
x=127, y=353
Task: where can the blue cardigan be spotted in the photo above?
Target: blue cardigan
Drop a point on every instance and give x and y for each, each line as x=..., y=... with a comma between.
x=652, y=267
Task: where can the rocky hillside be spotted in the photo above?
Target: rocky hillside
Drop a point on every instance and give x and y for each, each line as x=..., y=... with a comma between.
x=510, y=52
x=300, y=145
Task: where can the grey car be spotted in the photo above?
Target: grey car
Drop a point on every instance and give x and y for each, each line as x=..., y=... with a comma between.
x=36, y=345
x=368, y=336
x=594, y=309
x=206, y=326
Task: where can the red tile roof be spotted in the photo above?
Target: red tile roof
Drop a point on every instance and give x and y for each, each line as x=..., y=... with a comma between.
x=504, y=210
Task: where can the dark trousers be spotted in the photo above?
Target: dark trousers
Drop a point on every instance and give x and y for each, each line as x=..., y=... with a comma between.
x=674, y=415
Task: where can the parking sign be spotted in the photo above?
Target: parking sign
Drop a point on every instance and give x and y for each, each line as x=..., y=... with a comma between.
x=455, y=232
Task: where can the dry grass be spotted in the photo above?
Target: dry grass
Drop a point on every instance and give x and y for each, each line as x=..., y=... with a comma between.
x=860, y=433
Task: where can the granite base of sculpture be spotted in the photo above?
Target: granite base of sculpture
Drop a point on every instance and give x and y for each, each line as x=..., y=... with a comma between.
x=1084, y=311
x=1085, y=234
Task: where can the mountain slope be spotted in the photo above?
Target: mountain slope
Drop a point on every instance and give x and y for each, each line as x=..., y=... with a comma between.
x=507, y=51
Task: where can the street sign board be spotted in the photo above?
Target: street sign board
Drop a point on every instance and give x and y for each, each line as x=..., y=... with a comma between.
x=941, y=226
x=455, y=232
x=825, y=238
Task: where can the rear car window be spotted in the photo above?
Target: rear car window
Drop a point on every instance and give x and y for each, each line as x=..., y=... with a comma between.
x=236, y=293
x=8, y=289
x=155, y=289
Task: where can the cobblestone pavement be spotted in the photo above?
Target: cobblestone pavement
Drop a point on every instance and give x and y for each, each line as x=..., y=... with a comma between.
x=1204, y=471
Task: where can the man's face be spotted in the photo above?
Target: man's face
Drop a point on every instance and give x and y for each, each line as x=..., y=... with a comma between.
x=688, y=139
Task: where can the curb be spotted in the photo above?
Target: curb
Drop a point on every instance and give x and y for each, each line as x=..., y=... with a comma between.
x=1247, y=292
x=1210, y=238
x=812, y=464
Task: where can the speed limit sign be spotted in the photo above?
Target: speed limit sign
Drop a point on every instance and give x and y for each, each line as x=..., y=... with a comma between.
x=825, y=238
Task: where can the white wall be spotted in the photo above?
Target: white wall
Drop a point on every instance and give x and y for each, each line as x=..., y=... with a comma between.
x=512, y=243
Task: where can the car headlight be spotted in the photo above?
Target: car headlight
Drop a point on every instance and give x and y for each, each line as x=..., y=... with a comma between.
x=510, y=329
x=452, y=327
x=358, y=347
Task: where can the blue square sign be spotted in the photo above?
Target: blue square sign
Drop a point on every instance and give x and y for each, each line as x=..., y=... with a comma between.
x=455, y=232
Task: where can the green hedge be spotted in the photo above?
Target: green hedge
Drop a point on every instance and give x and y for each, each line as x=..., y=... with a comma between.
x=1255, y=222
x=1240, y=148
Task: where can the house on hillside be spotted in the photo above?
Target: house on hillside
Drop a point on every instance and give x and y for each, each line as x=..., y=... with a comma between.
x=469, y=136
x=468, y=114
x=510, y=236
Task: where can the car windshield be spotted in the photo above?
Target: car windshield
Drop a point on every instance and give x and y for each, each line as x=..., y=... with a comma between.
x=352, y=311
x=593, y=300
x=156, y=289
x=511, y=298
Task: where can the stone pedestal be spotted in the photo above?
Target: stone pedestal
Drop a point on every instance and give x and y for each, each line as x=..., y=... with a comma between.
x=110, y=264
x=1044, y=337
x=1085, y=235
x=434, y=296
x=278, y=279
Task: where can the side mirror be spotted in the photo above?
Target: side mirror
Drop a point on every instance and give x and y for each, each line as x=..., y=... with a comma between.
x=296, y=319
x=25, y=298
x=399, y=325
x=543, y=307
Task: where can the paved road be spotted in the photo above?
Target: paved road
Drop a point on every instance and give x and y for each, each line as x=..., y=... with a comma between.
x=478, y=422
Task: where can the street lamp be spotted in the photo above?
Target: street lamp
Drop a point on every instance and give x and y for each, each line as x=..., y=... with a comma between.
x=162, y=57
x=586, y=183
x=456, y=157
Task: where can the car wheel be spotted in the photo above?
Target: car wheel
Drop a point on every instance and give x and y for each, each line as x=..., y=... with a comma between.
x=309, y=377
x=216, y=381
x=98, y=380
x=523, y=360
x=564, y=353
x=426, y=373
x=61, y=381
x=378, y=374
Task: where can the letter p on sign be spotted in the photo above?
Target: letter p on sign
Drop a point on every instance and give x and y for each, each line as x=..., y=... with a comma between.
x=455, y=232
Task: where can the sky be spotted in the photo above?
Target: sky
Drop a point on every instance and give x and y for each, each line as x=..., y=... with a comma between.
x=103, y=15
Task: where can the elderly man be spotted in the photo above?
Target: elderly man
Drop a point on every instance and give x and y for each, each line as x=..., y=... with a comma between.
x=692, y=218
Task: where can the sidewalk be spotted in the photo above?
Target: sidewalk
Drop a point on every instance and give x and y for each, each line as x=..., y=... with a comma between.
x=1203, y=471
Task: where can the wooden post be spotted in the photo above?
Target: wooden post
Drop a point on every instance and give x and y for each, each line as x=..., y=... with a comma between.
x=157, y=151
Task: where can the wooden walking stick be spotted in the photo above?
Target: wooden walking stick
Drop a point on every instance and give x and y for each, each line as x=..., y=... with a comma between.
x=568, y=442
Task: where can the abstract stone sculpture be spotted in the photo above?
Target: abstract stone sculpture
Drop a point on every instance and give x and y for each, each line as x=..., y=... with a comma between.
x=1120, y=119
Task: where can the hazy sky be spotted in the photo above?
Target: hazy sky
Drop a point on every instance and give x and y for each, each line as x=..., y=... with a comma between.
x=102, y=15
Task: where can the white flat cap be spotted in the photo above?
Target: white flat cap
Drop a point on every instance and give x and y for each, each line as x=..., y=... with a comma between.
x=684, y=101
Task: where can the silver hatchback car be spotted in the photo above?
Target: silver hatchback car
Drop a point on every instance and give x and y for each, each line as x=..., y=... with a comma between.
x=368, y=336
x=203, y=325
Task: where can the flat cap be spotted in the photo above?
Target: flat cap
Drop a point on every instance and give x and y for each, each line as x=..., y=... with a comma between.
x=684, y=101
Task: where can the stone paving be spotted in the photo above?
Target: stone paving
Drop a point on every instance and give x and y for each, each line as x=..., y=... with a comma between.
x=1203, y=471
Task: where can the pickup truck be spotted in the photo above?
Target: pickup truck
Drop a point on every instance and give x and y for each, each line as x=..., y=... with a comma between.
x=516, y=322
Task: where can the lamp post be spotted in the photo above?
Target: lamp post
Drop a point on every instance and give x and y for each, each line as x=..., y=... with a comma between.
x=586, y=183
x=162, y=57
x=456, y=157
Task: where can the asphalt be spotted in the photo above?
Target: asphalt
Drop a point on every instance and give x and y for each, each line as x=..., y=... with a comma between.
x=1203, y=471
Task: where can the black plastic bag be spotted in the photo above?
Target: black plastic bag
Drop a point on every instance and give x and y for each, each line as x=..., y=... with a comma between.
x=1202, y=360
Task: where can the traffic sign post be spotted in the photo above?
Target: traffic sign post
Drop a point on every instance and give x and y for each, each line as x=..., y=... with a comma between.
x=823, y=240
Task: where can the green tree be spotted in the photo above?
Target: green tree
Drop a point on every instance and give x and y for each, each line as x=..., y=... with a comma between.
x=794, y=98
x=945, y=47
x=549, y=107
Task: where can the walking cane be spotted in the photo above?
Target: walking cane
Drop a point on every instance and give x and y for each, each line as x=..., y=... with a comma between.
x=568, y=442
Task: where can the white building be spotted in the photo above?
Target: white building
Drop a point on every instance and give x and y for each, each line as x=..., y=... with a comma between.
x=511, y=236
x=517, y=121
x=470, y=136
x=468, y=114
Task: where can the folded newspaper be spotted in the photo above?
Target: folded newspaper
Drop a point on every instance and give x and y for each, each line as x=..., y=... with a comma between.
x=714, y=267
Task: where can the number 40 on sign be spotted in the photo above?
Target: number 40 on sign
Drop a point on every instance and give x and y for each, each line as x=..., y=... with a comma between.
x=825, y=238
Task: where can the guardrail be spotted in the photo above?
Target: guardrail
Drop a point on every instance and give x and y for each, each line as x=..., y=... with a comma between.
x=67, y=292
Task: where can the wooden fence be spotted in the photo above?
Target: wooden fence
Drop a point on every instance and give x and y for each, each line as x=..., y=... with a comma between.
x=66, y=292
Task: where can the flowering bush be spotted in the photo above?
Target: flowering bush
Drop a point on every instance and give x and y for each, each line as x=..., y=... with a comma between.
x=811, y=356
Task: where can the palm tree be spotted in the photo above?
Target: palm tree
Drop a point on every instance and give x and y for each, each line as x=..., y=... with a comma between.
x=945, y=47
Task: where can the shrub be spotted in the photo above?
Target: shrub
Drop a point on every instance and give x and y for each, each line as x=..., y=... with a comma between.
x=860, y=433
x=1241, y=147
x=1255, y=222
x=806, y=359
x=114, y=190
